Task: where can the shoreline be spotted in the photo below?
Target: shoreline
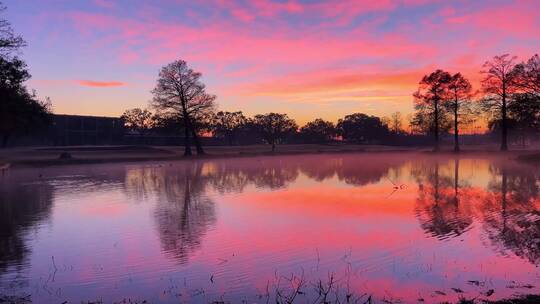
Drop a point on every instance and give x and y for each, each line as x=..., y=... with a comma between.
x=39, y=157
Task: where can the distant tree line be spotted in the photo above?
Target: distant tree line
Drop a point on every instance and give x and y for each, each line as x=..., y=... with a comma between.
x=20, y=110
x=509, y=97
x=234, y=128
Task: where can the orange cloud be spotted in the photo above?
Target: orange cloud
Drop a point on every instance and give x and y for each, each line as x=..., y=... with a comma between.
x=100, y=84
x=337, y=81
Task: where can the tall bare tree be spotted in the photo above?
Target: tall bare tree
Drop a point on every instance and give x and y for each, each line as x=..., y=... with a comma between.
x=180, y=92
x=501, y=80
x=459, y=97
x=429, y=97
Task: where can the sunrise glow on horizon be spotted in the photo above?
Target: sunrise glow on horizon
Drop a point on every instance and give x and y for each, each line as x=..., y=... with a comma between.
x=308, y=59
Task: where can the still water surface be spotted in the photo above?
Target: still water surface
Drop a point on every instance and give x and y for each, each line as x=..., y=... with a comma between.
x=399, y=227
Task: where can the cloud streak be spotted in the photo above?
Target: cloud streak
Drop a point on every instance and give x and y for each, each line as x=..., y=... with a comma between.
x=100, y=84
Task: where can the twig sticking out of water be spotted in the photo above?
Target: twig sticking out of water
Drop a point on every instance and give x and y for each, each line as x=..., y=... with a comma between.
x=295, y=285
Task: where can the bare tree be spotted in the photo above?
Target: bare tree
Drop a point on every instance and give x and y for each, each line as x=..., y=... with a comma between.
x=459, y=97
x=500, y=82
x=180, y=92
x=138, y=120
x=529, y=78
x=396, y=122
x=274, y=127
x=429, y=98
x=9, y=41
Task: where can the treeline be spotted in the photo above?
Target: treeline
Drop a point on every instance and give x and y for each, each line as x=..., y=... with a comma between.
x=234, y=128
x=509, y=98
x=20, y=110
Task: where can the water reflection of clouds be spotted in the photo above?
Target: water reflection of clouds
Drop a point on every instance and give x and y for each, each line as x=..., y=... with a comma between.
x=452, y=194
x=283, y=206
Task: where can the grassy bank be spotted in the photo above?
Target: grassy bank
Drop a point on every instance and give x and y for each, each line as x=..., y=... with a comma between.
x=52, y=156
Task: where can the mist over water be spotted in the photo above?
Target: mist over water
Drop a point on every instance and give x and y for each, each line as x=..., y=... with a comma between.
x=396, y=226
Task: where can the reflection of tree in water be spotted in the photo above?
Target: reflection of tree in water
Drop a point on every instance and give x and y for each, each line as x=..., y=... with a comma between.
x=276, y=173
x=510, y=211
x=22, y=207
x=320, y=169
x=183, y=213
x=439, y=206
x=235, y=176
x=140, y=183
x=226, y=178
x=273, y=177
x=351, y=169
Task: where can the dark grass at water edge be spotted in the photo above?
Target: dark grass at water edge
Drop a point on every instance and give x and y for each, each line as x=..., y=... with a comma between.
x=165, y=155
x=151, y=158
x=532, y=158
x=525, y=299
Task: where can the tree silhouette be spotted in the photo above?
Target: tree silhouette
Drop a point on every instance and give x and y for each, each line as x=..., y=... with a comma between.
x=396, y=122
x=9, y=41
x=274, y=127
x=529, y=75
x=20, y=110
x=138, y=120
x=318, y=131
x=500, y=82
x=524, y=114
x=431, y=93
x=179, y=92
x=362, y=128
x=459, y=90
x=228, y=125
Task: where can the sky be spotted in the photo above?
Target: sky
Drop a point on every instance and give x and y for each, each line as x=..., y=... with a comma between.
x=308, y=59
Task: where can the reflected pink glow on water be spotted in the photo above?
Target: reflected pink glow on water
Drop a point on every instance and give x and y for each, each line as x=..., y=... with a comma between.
x=225, y=229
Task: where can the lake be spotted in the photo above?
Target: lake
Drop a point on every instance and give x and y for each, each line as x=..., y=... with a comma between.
x=397, y=227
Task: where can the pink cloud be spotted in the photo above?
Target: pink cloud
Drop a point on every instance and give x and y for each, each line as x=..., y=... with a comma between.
x=224, y=44
x=105, y=3
x=518, y=19
x=242, y=15
x=128, y=57
x=292, y=51
x=100, y=84
x=260, y=8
